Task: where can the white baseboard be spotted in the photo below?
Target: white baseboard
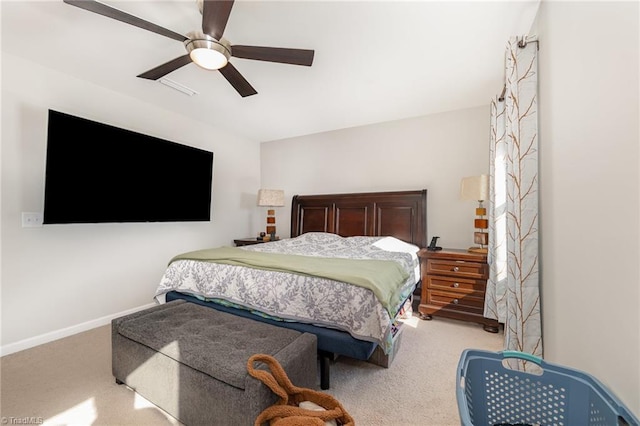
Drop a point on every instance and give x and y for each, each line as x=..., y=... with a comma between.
x=65, y=332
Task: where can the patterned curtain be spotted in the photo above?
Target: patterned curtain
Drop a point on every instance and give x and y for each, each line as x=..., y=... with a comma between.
x=513, y=296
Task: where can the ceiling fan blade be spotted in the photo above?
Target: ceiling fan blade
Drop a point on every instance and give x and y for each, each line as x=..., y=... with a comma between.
x=274, y=54
x=164, y=69
x=111, y=12
x=215, y=14
x=236, y=79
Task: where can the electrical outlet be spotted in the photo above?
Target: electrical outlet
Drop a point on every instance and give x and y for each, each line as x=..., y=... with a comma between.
x=31, y=220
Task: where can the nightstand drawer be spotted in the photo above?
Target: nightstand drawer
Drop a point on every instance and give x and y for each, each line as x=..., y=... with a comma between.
x=458, y=285
x=462, y=302
x=458, y=268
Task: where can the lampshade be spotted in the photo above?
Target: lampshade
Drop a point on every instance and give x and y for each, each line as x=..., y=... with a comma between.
x=475, y=188
x=271, y=198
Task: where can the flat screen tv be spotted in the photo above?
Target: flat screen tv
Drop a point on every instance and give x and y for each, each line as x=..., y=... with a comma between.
x=97, y=173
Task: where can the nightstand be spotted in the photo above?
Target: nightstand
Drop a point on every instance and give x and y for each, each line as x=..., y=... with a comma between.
x=453, y=286
x=247, y=241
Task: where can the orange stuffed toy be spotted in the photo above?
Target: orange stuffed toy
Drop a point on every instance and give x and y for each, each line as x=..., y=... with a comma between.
x=286, y=411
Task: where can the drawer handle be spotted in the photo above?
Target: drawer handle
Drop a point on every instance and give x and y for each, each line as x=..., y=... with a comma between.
x=455, y=285
x=455, y=301
x=456, y=269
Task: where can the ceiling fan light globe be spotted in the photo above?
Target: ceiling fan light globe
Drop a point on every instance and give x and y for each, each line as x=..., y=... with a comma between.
x=207, y=52
x=208, y=58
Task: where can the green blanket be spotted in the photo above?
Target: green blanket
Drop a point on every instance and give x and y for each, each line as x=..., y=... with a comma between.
x=383, y=277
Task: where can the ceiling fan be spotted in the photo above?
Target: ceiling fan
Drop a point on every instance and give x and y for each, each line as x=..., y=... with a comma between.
x=206, y=48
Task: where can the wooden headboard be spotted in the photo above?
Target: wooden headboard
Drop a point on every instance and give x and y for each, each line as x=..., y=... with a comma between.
x=401, y=214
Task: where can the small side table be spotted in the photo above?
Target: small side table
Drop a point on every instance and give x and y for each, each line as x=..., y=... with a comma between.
x=247, y=241
x=453, y=286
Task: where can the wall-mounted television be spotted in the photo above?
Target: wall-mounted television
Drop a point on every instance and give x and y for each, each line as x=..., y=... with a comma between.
x=98, y=173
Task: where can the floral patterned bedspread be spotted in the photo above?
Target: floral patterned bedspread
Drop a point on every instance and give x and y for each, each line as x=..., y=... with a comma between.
x=292, y=297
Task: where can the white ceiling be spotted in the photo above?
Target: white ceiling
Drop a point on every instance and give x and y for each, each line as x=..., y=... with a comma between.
x=374, y=60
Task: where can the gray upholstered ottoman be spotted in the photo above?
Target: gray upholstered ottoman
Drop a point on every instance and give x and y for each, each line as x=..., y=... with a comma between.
x=191, y=361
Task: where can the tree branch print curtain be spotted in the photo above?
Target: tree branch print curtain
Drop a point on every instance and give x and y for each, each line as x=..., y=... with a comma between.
x=512, y=295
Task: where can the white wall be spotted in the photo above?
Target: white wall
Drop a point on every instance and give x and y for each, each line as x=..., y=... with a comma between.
x=432, y=152
x=59, y=279
x=590, y=190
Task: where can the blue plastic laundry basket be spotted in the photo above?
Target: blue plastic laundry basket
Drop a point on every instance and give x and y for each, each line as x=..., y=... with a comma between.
x=489, y=393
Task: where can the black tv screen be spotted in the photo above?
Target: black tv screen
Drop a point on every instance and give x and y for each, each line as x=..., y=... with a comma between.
x=97, y=173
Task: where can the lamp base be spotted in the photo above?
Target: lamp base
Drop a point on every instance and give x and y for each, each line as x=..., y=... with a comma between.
x=482, y=250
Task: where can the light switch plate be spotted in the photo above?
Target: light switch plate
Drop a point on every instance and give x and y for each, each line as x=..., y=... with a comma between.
x=31, y=220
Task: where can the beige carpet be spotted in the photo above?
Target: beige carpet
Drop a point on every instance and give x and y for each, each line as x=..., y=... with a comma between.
x=69, y=382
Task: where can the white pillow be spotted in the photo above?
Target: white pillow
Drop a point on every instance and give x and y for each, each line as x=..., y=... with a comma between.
x=394, y=244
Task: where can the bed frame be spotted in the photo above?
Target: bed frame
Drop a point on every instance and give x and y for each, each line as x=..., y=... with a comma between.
x=401, y=214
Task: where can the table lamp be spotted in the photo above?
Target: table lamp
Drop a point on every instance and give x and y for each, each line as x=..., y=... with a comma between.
x=477, y=188
x=271, y=198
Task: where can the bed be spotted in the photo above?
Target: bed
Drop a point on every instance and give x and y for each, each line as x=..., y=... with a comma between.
x=347, y=273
